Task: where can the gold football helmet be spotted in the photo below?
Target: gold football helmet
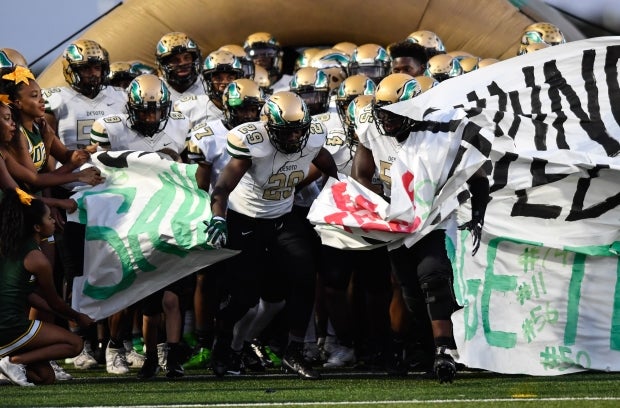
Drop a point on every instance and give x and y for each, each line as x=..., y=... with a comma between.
x=287, y=121
x=442, y=67
x=346, y=47
x=220, y=61
x=371, y=60
x=82, y=53
x=394, y=88
x=264, y=50
x=261, y=77
x=349, y=89
x=485, y=62
x=303, y=60
x=9, y=59
x=312, y=84
x=148, y=104
x=426, y=82
x=123, y=72
x=334, y=63
x=176, y=43
x=543, y=32
x=428, y=40
x=243, y=100
x=469, y=64
x=239, y=52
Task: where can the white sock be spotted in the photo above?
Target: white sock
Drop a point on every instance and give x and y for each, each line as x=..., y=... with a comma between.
x=266, y=313
x=240, y=331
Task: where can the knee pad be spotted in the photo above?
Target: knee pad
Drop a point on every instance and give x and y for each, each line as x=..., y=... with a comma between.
x=440, y=299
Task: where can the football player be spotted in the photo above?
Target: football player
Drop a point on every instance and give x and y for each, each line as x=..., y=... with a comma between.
x=264, y=50
x=242, y=101
x=424, y=270
x=220, y=68
x=251, y=205
x=149, y=126
x=179, y=60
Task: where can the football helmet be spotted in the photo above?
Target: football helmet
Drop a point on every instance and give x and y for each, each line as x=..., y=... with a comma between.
x=246, y=63
x=220, y=61
x=426, y=82
x=442, y=67
x=261, y=77
x=83, y=53
x=348, y=90
x=287, y=121
x=148, y=104
x=469, y=64
x=428, y=40
x=9, y=59
x=243, y=100
x=543, y=32
x=371, y=60
x=460, y=54
x=346, y=47
x=486, y=62
x=303, y=60
x=312, y=84
x=123, y=72
x=334, y=63
x=264, y=50
x=394, y=88
x=172, y=44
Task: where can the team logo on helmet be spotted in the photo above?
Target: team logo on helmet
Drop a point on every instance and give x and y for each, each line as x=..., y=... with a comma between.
x=5, y=61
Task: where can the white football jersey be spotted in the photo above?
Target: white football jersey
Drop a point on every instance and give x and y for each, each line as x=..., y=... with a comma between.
x=384, y=148
x=198, y=109
x=208, y=144
x=76, y=113
x=114, y=132
x=197, y=88
x=267, y=189
x=306, y=196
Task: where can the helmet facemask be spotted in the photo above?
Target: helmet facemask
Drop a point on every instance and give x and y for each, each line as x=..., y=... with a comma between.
x=268, y=57
x=92, y=85
x=289, y=138
x=247, y=111
x=376, y=72
x=171, y=70
x=389, y=123
x=148, y=104
x=149, y=120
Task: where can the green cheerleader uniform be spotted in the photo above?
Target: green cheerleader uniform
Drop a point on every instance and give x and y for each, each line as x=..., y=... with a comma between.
x=15, y=285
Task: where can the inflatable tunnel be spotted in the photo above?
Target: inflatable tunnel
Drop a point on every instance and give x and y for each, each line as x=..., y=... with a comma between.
x=488, y=29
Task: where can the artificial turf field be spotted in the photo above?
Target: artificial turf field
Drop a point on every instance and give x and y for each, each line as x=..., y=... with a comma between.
x=199, y=388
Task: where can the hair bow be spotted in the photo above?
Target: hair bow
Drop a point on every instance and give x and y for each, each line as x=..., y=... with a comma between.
x=20, y=74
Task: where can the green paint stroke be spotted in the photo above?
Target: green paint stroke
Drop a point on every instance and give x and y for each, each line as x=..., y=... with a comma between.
x=109, y=235
x=148, y=222
x=193, y=198
x=614, y=341
x=574, y=298
x=497, y=283
x=128, y=194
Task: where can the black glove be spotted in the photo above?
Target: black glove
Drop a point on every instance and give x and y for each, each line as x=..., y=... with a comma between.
x=475, y=227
